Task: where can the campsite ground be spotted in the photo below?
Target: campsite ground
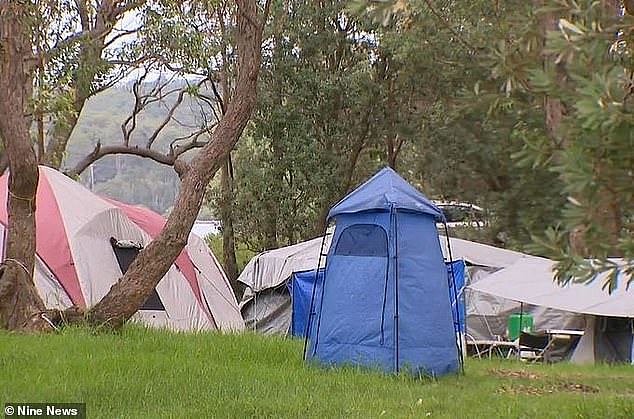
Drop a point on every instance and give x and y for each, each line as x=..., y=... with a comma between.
x=143, y=373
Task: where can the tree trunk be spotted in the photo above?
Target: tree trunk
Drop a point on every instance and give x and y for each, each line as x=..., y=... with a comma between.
x=90, y=55
x=90, y=51
x=226, y=218
x=19, y=301
x=226, y=175
x=269, y=221
x=393, y=146
x=127, y=295
x=554, y=114
x=608, y=213
x=553, y=107
x=328, y=201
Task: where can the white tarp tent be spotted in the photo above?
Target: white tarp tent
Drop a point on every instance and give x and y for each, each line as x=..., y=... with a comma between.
x=480, y=254
x=487, y=314
x=608, y=327
x=272, y=268
x=266, y=305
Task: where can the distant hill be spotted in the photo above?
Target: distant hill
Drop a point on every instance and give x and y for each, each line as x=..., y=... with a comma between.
x=130, y=179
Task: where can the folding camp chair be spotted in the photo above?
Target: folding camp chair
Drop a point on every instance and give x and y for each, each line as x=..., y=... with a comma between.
x=533, y=347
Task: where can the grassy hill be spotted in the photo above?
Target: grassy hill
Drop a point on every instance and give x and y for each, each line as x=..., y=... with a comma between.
x=128, y=178
x=153, y=374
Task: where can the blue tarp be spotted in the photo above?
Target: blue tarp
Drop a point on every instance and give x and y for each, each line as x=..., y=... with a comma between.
x=383, y=191
x=301, y=289
x=459, y=316
x=386, y=304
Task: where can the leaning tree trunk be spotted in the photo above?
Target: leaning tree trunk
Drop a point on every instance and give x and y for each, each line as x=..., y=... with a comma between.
x=127, y=295
x=20, y=303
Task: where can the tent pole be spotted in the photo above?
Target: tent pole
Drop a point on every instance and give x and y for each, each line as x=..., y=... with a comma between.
x=455, y=296
x=312, y=298
x=321, y=300
x=387, y=280
x=519, y=351
x=394, y=228
x=255, y=294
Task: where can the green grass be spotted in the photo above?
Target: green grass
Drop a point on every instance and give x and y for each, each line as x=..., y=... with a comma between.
x=141, y=373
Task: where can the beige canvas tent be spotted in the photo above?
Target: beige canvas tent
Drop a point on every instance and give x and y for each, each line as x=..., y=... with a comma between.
x=85, y=242
x=266, y=303
x=609, y=318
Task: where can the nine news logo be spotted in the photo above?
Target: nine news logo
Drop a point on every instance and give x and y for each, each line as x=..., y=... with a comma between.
x=45, y=410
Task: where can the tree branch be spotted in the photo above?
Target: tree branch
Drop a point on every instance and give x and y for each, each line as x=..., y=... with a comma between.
x=147, y=269
x=168, y=118
x=102, y=151
x=447, y=25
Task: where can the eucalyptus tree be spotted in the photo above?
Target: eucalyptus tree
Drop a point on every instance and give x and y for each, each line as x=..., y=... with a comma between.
x=556, y=80
x=585, y=78
x=315, y=119
x=340, y=96
x=19, y=300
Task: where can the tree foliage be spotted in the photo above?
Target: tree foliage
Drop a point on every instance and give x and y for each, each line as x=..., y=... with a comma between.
x=555, y=88
x=524, y=108
x=316, y=109
x=585, y=65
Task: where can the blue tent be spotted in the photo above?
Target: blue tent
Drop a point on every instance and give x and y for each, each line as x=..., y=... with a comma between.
x=385, y=300
x=301, y=284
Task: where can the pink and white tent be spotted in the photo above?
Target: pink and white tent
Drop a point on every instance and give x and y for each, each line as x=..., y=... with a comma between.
x=85, y=242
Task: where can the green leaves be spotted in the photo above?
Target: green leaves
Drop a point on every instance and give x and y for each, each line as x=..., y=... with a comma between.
x=564, y=68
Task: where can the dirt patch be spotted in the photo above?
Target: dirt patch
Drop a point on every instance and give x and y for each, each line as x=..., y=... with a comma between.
x=515, y=374
x=538, y=388
x=575, y=387
x=521, y=389
x=547, y=389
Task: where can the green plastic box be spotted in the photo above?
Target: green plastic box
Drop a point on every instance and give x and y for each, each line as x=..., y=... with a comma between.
x=513, y=327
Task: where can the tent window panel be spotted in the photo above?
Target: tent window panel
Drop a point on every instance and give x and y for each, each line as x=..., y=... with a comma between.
x=617, y=325
x=153, y=302
x=125, y=256
x=362, y=240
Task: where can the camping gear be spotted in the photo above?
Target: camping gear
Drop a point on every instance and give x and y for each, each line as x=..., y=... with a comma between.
x=606, y=339
x=487, y=315
x=300, y=288
x=86, y=242
x=384, y=302
x=266, y=303
x=608, y=334
x=519, y=322
x=266, y=308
